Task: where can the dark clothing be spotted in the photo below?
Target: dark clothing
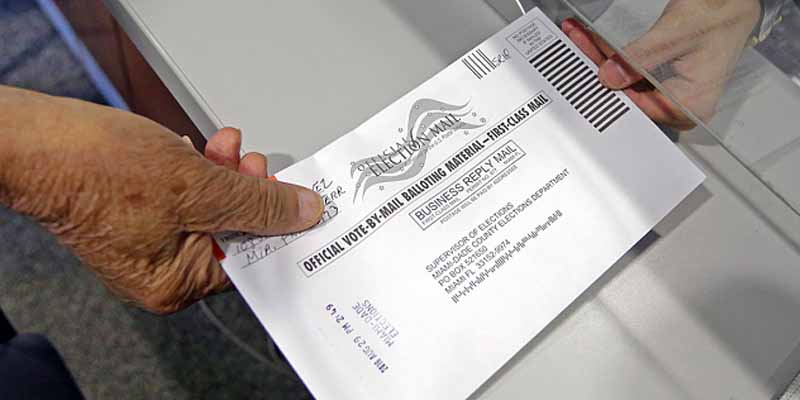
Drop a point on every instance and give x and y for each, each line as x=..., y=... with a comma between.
x=31, y=369
x=6, y=330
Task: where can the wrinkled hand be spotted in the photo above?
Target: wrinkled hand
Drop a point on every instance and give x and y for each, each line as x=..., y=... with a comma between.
x=135, y=202
x=700, y=41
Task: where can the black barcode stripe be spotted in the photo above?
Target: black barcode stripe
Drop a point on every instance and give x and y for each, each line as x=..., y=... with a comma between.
x=562, y=87
x=553, y=58
x=560, y=67
x=552, y=61
x=558, y=80
x=555, y=44
x=480, y=62
x=589, y=101
x=616, y=117
x=578, y=83
x=594, y=103
x=602, y=100
x=597, y=104
x=618, y=106
x=488, y=61
x=558, y=63
x=477, y=75
x=583, y=80
x=544, y=57
x=563, y=69
x=607, y=105
x=477, y=65
x=471, y=68
x=590, y=86
x=597, y=88
x=599, y=118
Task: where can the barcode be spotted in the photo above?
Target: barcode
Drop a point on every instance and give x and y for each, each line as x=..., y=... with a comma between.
x=579, y=85
x=478, y=63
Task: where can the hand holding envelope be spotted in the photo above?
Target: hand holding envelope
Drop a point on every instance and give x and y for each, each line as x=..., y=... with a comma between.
x=132, y=200
x=699, y=42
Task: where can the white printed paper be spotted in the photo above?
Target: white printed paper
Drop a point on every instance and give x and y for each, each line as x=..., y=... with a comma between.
x=460, y=221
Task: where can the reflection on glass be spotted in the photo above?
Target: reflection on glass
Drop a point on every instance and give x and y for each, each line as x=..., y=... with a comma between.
x=731, y=66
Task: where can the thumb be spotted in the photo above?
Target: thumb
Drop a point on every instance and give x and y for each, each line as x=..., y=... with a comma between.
x=224, y=200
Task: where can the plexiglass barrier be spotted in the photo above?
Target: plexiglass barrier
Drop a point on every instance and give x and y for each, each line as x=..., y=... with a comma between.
x=730, y=67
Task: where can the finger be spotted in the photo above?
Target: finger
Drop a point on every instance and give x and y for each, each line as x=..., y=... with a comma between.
x=660, y=108
x=223, y=148
x=206, y=272
x=191, y=275
x=571, y=25
x=667, y=40
x=223, y=200
x=604, y=47
x=203, y=274
x=253, y=164
x=698, y=87
x=614, y=72
x=574, y=30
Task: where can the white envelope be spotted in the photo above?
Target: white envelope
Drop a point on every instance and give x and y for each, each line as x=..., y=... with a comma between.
x=460, y=221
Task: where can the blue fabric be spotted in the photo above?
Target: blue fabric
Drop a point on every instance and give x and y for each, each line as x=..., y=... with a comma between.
x=34, y=56
x=31, y=369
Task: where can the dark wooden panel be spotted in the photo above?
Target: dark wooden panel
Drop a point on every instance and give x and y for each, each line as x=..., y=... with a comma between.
x=138, y=84
x=151, y=98
x=95, y=26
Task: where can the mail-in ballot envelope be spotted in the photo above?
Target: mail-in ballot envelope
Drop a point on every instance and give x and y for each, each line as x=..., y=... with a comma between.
x=460, y=221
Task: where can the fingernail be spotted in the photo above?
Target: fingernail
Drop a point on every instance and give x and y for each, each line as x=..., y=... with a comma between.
x=310, y=206
x=568, y=25
x=614, y=75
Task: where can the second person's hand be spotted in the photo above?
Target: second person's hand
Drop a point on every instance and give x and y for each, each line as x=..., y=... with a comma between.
x=700, y=41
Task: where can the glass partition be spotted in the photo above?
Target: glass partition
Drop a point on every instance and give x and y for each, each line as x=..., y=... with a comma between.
x=726, y=66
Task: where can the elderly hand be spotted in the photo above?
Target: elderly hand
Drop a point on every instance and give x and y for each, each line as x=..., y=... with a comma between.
x=135, y=202
x=700, y=41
